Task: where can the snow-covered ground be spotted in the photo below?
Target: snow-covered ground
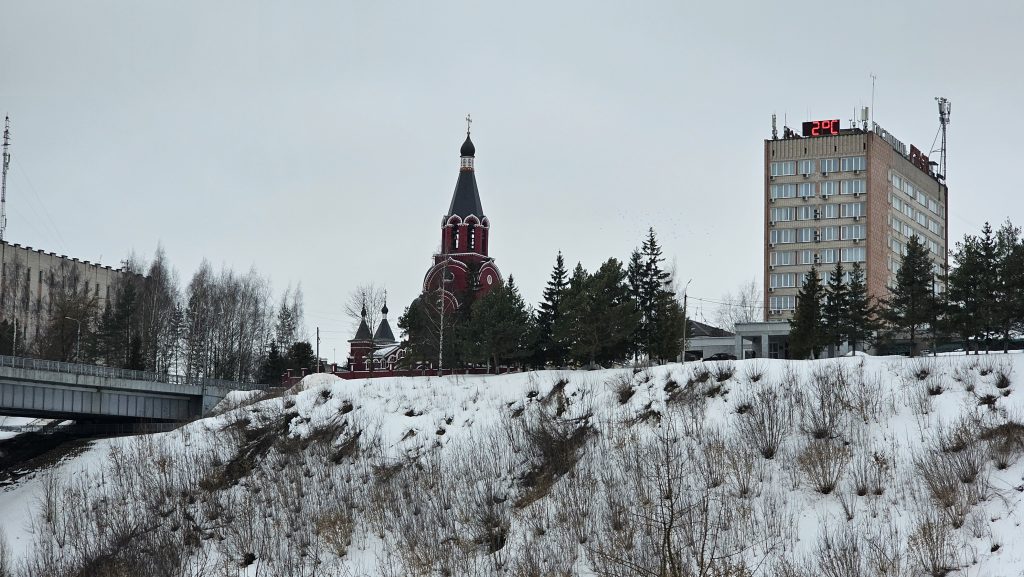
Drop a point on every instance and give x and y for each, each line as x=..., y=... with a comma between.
x=898, y=466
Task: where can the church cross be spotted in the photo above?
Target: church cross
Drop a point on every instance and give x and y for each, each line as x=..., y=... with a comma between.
x=469, y=120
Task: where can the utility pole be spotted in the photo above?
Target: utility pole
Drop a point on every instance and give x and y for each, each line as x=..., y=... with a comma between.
x=440, y=299
x=78, y=338
x=318, y=349
x=3, y=186
x=685, y=322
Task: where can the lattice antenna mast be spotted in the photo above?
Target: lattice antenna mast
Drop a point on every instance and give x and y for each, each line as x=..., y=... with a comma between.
x=944, y=107
x=3, y=184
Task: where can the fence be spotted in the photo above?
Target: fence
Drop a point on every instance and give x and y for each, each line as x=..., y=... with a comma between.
x=116, y=373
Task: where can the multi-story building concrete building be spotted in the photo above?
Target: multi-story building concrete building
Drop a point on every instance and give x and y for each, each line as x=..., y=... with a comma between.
x=849, y=195
x=28, y=276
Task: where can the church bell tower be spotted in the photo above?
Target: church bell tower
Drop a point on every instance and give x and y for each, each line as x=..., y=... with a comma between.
x=463, y=267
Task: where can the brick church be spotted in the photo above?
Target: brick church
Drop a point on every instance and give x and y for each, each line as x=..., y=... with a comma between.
x=463, y=269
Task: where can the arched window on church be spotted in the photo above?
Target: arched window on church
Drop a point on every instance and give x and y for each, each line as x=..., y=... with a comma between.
x=455, y=238
x=472, y=236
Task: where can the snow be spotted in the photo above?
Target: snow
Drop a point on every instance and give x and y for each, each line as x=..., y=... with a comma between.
x=414, y=417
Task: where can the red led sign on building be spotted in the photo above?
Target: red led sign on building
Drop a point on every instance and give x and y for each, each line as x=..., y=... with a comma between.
x=821, y=127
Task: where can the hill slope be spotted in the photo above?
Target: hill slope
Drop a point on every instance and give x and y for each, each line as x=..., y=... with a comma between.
x=859, y=466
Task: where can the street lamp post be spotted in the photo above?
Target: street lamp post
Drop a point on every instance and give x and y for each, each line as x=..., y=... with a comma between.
x=685, y=322
x=78, y=338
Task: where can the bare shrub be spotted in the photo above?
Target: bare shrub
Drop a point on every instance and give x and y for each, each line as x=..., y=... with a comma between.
x=921, y=368
x=865, y=396
x=700, y=374
x=840, y=554
x=823, y=462
x=709, y=458
x=932, y=547
x=753, y=370
x=5, y=555
x=823, y=415
x=743, y=470
x=335, y=528
x=1005, y=443
x=765, y=426
x=723, y=370
x=966, y=377
x=622, y=385
x=486, y=517
x=942, y=483
x=985, y=367
x=869, y=473
x=551, y=443
x=886, y=552
x=1002, y=378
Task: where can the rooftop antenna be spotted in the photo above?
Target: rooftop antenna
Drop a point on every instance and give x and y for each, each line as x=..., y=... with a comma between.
x=944, y=107
x=3, y=186
x=873, y=78
x=775, y=128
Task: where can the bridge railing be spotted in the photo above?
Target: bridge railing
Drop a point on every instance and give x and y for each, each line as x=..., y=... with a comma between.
x=116, y=373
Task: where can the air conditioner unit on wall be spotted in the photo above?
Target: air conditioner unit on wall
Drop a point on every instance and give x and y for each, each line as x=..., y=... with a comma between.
x=772, y=200
x=771, y=289
x=824, y=173
x=856, y=194
x=856, y=217
x=807, y=175
x=772, y=177
x=771, y=267
x=771, y=223
x=856, y=240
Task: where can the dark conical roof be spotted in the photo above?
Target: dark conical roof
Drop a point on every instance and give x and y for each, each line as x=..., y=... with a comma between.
x=384, y=334
x=466, y=200
x=467, y=147
x=363, y=332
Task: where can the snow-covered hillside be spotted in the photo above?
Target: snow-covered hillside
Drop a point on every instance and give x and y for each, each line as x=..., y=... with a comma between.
x=860, y=466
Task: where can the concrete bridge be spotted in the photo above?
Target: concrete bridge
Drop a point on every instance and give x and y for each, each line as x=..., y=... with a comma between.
x=56, y=390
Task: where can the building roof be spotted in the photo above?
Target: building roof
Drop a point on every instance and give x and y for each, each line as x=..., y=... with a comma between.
x=467, y=147
x=466, y=200
x=363, y=332
x=384, y=334
x=702, y=330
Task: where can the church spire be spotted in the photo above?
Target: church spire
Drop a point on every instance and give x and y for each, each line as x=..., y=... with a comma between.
x=468, y=151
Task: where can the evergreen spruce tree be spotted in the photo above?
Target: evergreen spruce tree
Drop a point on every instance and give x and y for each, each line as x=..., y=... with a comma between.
x=499, y=326
x=911, y=305
x=835, y=308
x=600, y=318
x=635, y=281
x=962, y=295
x=862, y=315
x=987, y=284
x=551, y=351
x=1009, y=313
x=807, y=334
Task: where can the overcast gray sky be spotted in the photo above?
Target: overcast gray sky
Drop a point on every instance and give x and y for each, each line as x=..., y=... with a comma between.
x=318, y=141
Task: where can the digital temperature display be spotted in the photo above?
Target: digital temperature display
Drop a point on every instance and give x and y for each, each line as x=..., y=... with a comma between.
x=821, y=127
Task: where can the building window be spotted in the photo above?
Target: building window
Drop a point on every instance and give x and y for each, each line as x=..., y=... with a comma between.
x=806, y=235
x=897, y=181
x=780, y=258
x=783, y=191
x=933, y=206
x=829, y=188
x=784, y=168
x=782, y=236
x=830, y=211
x=851, y=163
x=807, y=257
x=855, y=231
x=471, y=231
x=807, y=167
x=805, y=212
x=782, y=214
x=829, y=165
x=782, y=280
x=909, y=189
x=852, y=209
x=855, y=186
x=830, y=233
x=806, y=189
x=896, y=203
x=854, y=254
x=782, y=303
x=827, y=255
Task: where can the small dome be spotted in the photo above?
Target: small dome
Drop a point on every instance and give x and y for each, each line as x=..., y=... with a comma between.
x=384, y=310
x=467, y=147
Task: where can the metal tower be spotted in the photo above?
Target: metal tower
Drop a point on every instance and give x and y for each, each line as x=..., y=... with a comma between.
x=943, y=122
x=3, y=184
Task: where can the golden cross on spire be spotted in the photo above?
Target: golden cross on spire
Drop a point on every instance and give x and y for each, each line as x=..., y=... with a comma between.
x=469, y=120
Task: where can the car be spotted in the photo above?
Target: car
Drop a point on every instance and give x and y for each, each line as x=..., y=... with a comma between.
x=721, y=357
